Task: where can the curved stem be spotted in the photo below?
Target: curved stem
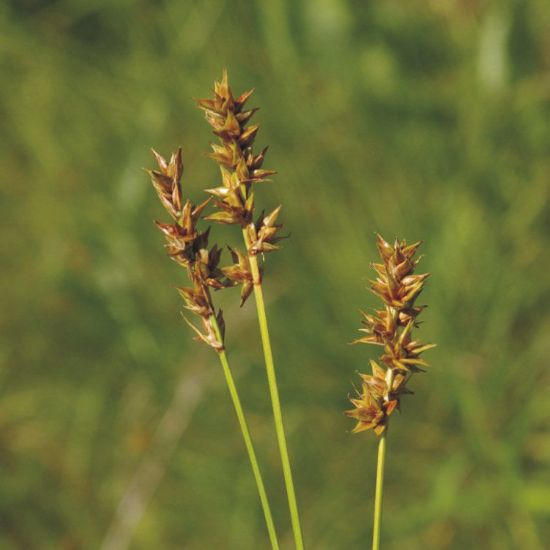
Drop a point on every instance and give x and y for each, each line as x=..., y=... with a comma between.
x=247, y=439
x=275, y=401
x=379, y=492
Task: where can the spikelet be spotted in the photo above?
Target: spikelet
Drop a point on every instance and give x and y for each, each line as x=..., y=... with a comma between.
x=187, y=246
x=391, y=328
x=240, y=170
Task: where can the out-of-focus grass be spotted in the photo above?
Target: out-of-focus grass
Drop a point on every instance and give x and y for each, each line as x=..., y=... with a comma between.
x=427, y=120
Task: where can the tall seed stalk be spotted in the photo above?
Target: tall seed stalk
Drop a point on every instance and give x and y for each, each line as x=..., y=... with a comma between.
x=241, y=169
x=391, y=328
x=189, y=248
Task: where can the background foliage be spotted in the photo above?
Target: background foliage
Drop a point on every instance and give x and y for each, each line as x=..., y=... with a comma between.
x=423, y=119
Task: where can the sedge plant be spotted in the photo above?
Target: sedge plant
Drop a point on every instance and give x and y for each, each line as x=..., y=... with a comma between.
x=241, y=169
x=188, y=246
x=390, y=328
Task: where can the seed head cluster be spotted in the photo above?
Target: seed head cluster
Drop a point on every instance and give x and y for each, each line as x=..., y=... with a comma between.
x=240, y=169
x=391, y=328
x=188, y=246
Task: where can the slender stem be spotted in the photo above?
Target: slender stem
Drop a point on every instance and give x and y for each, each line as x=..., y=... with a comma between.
x=275, y=401
x=247, y=440
x=379, y=492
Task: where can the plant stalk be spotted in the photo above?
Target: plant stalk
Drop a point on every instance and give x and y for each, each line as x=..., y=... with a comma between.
x=275, y=400
x=247, y=440
x=379, y=492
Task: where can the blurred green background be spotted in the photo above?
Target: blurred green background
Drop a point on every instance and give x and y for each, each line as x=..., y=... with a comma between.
x=423, y=119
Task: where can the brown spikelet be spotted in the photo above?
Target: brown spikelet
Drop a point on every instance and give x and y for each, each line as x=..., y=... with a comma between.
x=167, y=182
x=391, y=328
x=241, y=169
x=188, y=246
x=240, y=273
x=263, y=234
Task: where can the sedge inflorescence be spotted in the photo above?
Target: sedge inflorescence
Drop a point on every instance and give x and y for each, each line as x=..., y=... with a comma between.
x=391, y=328
x=188, y=246
x=240, y=168
x=233, y=203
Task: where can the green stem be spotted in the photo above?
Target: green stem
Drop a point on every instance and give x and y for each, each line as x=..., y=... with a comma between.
x=247, y=439
x=379, y=492
x=275, y=401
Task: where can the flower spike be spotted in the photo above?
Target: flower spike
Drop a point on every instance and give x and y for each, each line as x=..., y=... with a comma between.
x=188, y=246
x=391, y=328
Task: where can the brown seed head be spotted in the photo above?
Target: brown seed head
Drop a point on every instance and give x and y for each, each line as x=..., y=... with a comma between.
x=241, y=168
x=188, y=246
x=391, y=328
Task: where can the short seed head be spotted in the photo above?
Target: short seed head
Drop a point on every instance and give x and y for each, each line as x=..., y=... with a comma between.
x=391, y=328
x=240, y=168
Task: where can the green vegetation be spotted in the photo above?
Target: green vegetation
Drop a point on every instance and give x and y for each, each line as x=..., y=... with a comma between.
x=427, y=120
